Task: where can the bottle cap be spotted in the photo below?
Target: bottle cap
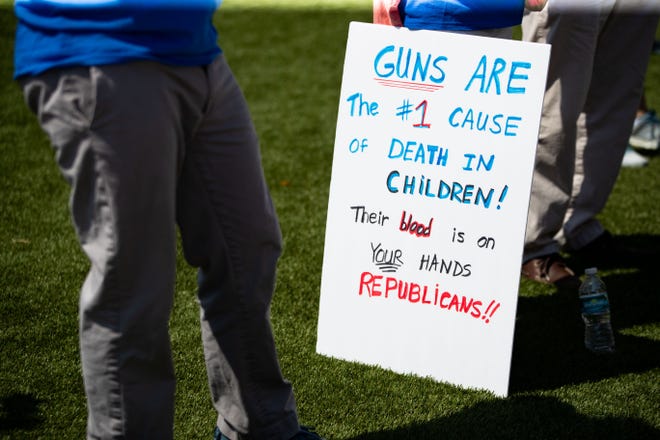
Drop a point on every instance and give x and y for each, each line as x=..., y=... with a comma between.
x=591, y=271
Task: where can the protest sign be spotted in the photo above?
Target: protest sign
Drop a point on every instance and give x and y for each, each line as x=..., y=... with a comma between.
x=432, y=166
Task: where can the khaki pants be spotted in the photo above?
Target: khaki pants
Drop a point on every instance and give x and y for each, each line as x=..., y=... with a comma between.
x=596, y=74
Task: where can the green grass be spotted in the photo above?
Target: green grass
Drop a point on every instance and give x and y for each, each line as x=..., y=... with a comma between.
x=290, y=68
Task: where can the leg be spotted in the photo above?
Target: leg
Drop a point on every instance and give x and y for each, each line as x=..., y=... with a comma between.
x=624, y=47
x=115, y=139
x=574, y=38
x=230, y=231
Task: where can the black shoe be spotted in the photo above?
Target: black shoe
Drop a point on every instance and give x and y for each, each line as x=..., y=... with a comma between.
x=305, y=433
x=608, y=251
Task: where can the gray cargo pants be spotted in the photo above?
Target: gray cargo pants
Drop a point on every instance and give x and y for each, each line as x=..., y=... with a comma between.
x=144, y=147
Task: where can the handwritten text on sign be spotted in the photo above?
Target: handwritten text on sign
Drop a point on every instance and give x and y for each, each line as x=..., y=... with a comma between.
x=435, y=143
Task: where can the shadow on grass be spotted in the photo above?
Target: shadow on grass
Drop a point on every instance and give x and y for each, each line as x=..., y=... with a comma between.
x=524, y=417
x=548, y=346
x=19, y=411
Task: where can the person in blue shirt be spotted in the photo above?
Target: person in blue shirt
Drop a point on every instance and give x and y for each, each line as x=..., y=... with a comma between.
x=151, y=130
x=477, y=17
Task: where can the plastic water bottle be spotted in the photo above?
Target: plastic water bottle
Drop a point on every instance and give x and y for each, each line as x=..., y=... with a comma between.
x=595, y=307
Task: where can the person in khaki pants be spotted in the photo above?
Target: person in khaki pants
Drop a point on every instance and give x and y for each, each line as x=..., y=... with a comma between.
x=151, y=130
x=600, y=51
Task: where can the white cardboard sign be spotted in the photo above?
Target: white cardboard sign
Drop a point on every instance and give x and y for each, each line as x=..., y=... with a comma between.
x=432, y=167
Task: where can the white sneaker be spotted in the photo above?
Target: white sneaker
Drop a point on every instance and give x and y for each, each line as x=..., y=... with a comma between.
x=646, y=132
x=632, y=159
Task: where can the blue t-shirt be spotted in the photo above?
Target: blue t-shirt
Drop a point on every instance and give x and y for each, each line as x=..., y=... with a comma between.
x=59, y=33
x=461, y=15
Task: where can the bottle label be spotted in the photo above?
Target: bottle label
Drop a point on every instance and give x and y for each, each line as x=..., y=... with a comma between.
x=595, y=304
